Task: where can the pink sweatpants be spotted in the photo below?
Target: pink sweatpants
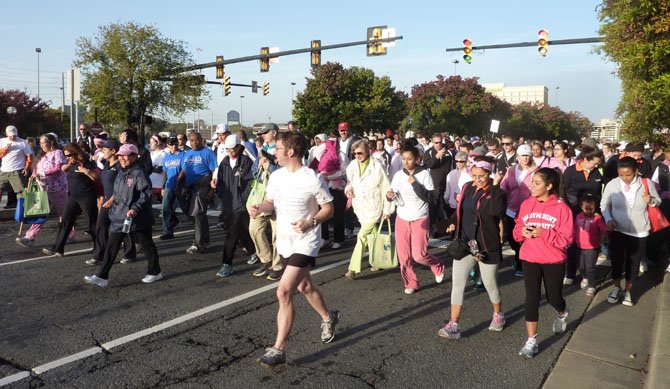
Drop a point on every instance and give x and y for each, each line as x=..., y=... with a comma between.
x=412, y=243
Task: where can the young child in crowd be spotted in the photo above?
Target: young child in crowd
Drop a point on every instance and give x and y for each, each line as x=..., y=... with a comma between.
x=589, y=230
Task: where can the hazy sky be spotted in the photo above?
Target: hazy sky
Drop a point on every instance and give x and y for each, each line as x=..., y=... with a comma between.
x=234, y=29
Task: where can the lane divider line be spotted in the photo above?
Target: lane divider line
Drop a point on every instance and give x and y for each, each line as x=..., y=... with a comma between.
x=151, y=330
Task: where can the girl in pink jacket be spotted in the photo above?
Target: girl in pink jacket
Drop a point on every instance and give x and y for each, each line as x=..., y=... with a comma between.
x=544, y=227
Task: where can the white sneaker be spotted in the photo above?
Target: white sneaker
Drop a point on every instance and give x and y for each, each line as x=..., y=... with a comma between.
x=152, y=278
x=95, y=280
x=125, y=261
x=93, y=262
x=336, y=246
x=409, y=290
x=439, y=278
x=667, y=269
x=643, y=267
x=192, y=250
x=568, y=281
x=584, y=283
x=627, y=299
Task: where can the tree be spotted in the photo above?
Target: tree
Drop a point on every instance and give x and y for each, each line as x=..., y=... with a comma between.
x=130, y=70
x=455, y=105
x=33, y=116
x=541, y=122
x=637, y=38
x=355, y=95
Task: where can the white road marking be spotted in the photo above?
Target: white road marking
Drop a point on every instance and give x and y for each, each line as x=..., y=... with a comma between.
x=151, y=330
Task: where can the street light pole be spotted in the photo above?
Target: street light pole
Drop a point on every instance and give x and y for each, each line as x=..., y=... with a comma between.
x=241, y=98
x=292, y=99
x=455, y=63
x=556, y=99
x=38, y=51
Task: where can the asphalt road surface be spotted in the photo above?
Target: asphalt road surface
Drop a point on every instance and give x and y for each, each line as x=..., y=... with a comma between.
x=193, y=329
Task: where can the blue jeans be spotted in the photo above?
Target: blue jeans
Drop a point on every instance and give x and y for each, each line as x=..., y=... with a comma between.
x=169, y=217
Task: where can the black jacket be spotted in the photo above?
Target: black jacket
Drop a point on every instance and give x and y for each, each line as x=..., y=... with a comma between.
x=132, y=190
x=439, y=168
x=576, y=185
x=233, y=185
x=490, y=210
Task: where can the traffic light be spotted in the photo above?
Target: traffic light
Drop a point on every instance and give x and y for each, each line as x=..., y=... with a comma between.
x=265, y=62
x=467, y=50
x=226, y=85
x=254, y=86
x=266, y=88
x=219, y=68
x=316, y=54
x=375, y=48
x=543, y=42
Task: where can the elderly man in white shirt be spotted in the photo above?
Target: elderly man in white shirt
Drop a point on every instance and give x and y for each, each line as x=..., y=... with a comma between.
x=17, y=157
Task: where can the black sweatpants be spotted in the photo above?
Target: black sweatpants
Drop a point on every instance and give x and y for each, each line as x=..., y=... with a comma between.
x=516, y=246
x=73, y=208
x=339, y=207
x=102, y=234
x=114, y=244
x=534, y=274
x=626, y=252
x=238, y=230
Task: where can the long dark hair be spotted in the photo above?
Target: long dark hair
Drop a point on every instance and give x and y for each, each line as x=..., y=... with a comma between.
x=80, y=155
x=551, y=176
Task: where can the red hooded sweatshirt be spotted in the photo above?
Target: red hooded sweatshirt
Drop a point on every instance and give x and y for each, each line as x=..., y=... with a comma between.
x=555, y=218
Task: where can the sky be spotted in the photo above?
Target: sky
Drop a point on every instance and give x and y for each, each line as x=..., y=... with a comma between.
x=578, y=78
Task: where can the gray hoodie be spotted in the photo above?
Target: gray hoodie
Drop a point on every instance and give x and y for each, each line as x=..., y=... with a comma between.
x=632, y=221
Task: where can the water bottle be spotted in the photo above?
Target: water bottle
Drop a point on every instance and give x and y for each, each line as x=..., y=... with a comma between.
x=397, y=200
x=126, y=225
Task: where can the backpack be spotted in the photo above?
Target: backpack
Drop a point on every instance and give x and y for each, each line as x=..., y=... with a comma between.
x=330, y=161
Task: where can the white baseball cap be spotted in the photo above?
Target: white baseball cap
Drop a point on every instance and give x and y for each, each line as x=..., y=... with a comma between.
x=231, y=141
x=11, y=131
x=221, y=128
x=524, y=149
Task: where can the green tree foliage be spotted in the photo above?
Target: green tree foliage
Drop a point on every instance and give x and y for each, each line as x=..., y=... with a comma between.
x=455, y=105
x=539, y=121
x=355, y=95
x=124, y=71
x=33, y=116
x=637, y=38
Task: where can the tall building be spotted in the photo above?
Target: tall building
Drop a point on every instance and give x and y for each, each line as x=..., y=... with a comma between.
x=519, y=94
x=606, y=129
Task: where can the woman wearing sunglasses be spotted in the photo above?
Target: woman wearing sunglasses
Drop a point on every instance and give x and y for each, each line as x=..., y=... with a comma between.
x=82, y=177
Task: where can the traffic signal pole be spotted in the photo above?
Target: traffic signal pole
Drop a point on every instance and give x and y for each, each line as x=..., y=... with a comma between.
x=534, y=43
x=285, y=53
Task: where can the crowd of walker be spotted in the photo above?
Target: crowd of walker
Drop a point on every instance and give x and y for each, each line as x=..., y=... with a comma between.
x=558, y=205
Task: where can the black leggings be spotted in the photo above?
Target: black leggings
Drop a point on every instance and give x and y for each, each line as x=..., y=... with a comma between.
x=339, y=207
x=626, y=252
x=513, y=244
x=552, y=276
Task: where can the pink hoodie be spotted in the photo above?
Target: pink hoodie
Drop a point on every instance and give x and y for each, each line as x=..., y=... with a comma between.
x=555, y=218
x=516, y=193
x=589, y=231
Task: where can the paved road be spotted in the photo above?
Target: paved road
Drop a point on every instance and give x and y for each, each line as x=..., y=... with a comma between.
x=196, y=330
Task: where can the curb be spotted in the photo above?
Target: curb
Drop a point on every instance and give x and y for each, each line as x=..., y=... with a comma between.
x=659, y=356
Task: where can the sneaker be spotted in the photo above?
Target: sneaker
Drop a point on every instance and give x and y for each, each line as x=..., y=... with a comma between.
x=125, y=261
x=328, y=327
x=274, y=275
x=95, y=280
x=667, y=269
x=253, y=260
x=590, y=291
x=473, y=276
x=568, y=281
x=529, y=349
x=152, y=278
x=479, y=286
x=614, y=295
x=262, y=270
x=643, y=267
x=52, y=252
x=560, y=322
x=225, y=271
x=166, y=236
x=350, y=275
x=518, y=273
x=498, y=322
x=348, y=233
x=25, y=242
x=335, y=246
x=93, y=262
x=584, y=283
x=439, y=278
x=627, y=299
x=192, y=250
x=272, y=357
x=409, y=290
x=377, y=269
x=450, y=331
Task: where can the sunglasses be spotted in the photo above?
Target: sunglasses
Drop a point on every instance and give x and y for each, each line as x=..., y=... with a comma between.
x=68, y=155
x=460, y=161
x=359, y=153
x=506, y=143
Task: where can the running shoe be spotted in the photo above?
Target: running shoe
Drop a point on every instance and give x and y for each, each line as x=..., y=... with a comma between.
x=51, y=251
x=272, y=357
x=253, y=259
x=262, y=270
x=225, y=271
x=560, y=322
x=125, y=261
x=95, y=280
x=192, y=250
x=350, y=275
x=450, y=331
x=439, y=278
x=274, y=275
x=409, y=290
x=149, y=278
x=590, y=291
x=529, y=349
x=584, y=283
x=627, y=299
x=498, y=322
x=335, y=246
x=93, y=262
x=614, y=295
x=25, y=242
x=328, y=327
x=518, y=273
x=568, y=281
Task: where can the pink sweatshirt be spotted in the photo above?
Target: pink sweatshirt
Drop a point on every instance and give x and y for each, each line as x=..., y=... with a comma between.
x=589, y=231
x=555, y=218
